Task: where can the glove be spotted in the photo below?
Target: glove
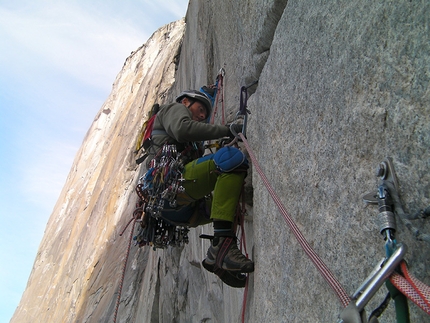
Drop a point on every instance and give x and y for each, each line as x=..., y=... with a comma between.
x=234, y=129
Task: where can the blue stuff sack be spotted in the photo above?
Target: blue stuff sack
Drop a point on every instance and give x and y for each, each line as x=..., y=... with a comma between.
x=228, y=158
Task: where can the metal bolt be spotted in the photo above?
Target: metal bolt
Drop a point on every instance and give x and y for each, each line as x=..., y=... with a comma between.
x=382, y=170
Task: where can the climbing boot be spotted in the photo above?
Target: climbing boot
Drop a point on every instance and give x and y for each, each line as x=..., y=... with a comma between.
x=225, y=255
x=233, y=279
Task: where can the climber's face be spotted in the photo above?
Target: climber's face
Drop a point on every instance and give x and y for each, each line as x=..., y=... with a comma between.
x=197, y=109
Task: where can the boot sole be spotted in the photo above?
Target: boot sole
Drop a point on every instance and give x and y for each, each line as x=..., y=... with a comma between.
x=208, y=267
x=248, y=268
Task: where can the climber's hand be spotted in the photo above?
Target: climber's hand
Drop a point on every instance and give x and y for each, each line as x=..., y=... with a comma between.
x=234, y=130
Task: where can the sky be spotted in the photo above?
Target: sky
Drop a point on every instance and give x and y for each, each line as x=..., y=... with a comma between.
x=58, y=61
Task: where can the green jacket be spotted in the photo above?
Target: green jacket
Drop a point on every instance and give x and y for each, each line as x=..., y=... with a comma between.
x=174, y=125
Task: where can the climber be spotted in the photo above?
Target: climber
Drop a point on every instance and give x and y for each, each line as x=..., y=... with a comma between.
x=183, y=123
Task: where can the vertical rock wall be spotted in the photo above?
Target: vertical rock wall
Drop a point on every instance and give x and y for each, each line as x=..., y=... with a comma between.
x=346, y=84
x=341, y=86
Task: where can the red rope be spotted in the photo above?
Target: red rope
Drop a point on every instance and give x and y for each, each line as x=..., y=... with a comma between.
x=241, y=215
x=422, y=289
x=219, y=97
x=121, y=282
x=411, y=287
x=126, y=226
x=245, y=296
x=320, y=265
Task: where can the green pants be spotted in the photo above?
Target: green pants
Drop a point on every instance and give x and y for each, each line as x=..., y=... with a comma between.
x=202, y=177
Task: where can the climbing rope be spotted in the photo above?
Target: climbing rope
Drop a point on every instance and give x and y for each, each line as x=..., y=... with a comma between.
x=411, y=287
x=241, y=211
x=219, y=96
x=320, y=265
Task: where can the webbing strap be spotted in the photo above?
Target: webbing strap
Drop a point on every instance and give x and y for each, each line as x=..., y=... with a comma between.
x=156, y=132
x=319, y=264
x=221, y=255
x=219, y=97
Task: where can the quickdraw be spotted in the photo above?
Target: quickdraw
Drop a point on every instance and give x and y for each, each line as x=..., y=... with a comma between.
x=163, y=180
x=158, y=189
x=158, y=233
x=243, y=112
x=219, y=96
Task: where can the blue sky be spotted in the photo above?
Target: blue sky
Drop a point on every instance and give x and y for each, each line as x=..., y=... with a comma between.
x=58, y=60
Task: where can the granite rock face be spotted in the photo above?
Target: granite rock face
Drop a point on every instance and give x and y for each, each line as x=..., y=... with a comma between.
x=341, y=86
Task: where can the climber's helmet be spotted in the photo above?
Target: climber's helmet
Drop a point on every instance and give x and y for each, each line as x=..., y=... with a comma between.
x=194, y=95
